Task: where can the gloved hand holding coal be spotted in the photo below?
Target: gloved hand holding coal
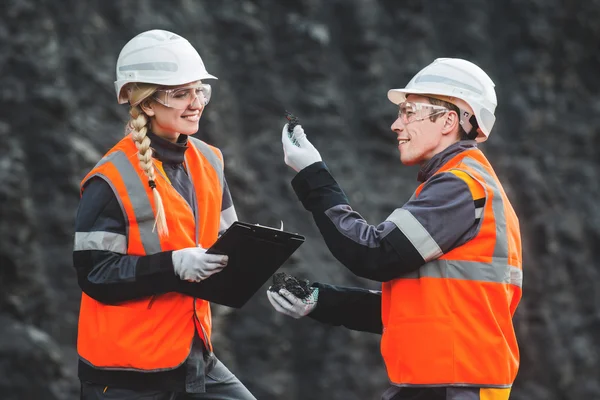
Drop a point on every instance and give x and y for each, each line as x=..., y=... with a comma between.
x=291, y=296
x=298, y=151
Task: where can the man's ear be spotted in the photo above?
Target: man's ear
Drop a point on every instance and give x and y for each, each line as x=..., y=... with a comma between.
x=451, y=122
x=146, y=107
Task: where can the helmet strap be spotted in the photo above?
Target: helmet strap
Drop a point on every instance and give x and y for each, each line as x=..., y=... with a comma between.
x=467, y=120
x=472, y=135
x=469, y=124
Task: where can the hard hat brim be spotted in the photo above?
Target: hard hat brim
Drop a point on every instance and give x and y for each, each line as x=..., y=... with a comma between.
x=397, y=96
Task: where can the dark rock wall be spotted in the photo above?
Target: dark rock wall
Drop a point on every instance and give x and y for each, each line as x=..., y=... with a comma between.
x=331, y=62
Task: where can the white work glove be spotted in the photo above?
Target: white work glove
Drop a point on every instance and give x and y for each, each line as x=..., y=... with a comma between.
x=194, y=264
x=299, y=155
x=288, y=304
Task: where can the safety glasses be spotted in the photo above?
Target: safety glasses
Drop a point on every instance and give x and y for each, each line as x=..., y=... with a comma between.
x=409, y=112
x=182, y=98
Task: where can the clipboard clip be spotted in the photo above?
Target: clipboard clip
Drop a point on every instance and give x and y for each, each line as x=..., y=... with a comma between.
x=264, y=226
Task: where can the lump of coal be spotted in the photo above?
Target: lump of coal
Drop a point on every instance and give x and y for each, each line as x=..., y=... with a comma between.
x=297, y=287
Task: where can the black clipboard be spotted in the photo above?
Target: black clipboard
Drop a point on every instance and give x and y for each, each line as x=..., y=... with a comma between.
x=255, y=253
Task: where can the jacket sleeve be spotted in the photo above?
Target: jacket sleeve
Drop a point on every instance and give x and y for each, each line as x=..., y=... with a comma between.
x=104, y=271
x=354, y=308
x=441, y=218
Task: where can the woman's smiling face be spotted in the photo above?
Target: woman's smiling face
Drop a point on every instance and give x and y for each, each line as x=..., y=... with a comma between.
x=169, y=122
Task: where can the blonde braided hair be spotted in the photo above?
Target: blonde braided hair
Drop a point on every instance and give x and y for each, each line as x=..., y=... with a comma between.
x=138, y=127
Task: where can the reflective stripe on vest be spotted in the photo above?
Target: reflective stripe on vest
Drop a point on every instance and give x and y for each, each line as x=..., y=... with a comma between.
x=150, y=334
x=450, y=322
x=142, y=208
x=496, y=272
x=501, y=248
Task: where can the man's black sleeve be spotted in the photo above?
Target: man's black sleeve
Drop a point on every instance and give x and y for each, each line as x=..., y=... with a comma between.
x=379, y=253
x=443, y=216
x=108, y=276
x=354, y=308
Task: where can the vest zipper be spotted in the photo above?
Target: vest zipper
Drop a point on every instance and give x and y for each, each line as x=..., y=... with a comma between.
x=204, y=335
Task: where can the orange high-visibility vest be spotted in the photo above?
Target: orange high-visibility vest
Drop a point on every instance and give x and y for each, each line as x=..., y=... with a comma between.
x=153, y=333
x=450, y=322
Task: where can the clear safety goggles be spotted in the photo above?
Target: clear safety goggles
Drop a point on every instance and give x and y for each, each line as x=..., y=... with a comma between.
x=182, y=98
x=409, y=112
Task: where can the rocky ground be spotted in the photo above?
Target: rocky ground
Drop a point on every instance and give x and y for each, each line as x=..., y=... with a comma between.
x=330, y=62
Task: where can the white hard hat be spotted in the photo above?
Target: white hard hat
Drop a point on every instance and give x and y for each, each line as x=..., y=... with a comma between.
x=460, y=80
x=159, y=57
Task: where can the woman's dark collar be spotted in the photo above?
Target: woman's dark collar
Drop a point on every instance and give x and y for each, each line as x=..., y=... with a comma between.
x=168, y=152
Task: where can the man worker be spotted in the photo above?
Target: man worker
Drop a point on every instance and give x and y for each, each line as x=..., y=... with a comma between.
x=449, y=259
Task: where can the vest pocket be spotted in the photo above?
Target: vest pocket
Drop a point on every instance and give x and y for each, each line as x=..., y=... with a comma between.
x=419, y=350
x=121, y=336
x=128, y=323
